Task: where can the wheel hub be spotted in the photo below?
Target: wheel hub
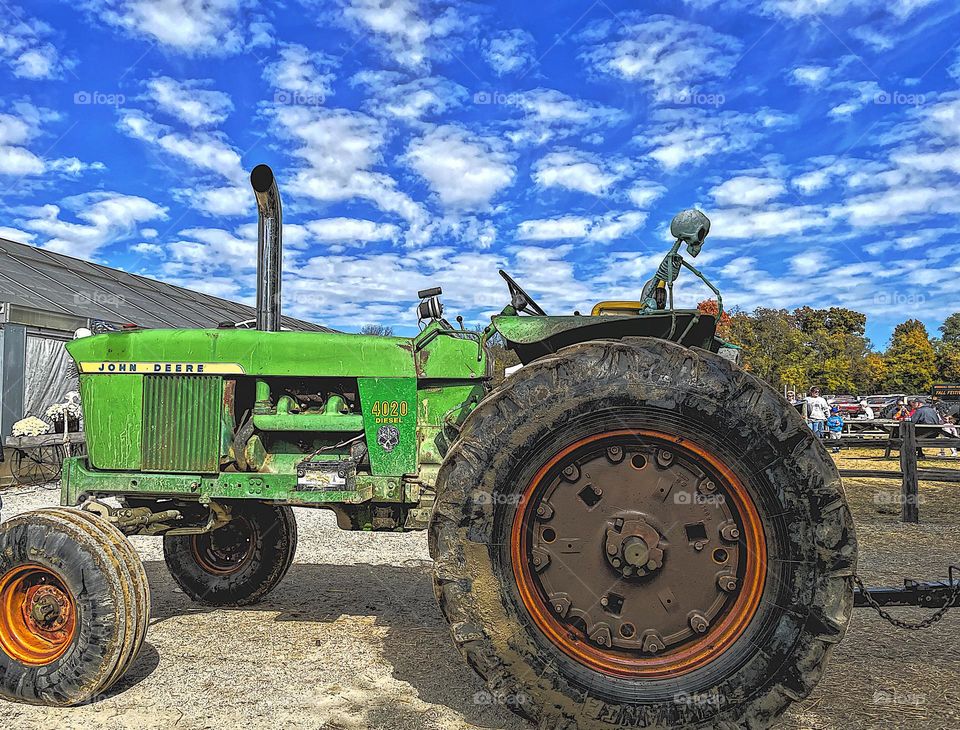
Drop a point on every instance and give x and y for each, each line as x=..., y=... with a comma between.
x=37, y=615
x=643, y=553
x=633, y=548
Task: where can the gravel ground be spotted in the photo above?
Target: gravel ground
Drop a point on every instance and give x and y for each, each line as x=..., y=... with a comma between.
x=352, y=638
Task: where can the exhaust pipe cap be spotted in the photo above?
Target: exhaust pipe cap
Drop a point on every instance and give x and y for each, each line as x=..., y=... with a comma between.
x=261, y=178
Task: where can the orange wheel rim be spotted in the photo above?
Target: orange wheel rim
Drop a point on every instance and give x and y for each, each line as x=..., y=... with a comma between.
x=736, y=616
x=38, y=615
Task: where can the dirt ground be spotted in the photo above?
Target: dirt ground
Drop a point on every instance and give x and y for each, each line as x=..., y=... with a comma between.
x=352, y=638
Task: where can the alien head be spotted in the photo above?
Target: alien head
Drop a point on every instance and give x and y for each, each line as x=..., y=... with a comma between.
x=690, y=226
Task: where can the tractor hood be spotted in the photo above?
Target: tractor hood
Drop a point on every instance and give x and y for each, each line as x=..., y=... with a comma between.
x=243, y=352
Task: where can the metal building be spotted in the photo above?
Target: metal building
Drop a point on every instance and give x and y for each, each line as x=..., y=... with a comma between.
x=45, y=297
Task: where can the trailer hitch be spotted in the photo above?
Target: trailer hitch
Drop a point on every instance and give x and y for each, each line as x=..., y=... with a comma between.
x=940, y=595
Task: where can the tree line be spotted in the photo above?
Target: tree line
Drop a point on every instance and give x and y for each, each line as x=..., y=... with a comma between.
x=828, y=348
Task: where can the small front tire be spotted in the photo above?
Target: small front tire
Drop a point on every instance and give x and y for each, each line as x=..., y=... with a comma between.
x=238, y=564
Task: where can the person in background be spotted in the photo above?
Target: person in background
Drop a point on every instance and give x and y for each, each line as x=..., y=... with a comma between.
x=835, y=427
x=950, y=431
x=816, y=411
x=925, y=415
x=902, y=413
x=866, y=410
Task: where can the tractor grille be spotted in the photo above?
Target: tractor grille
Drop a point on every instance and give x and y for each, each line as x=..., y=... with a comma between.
x=181, y=423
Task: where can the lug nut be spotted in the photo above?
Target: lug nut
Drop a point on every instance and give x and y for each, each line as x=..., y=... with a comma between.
x=729, y=532
x=708, y=487
x=699, y=623
x=664, y=457
x=727, y=583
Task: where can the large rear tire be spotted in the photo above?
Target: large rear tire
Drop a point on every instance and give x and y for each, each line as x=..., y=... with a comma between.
x=239, y=564
x=74, y=607
x=638, y=534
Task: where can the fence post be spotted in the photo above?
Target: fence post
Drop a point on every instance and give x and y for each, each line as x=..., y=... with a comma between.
x=910, y=496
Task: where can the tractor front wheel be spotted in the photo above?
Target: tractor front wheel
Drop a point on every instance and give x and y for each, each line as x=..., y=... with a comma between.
x=238, y=564
x=639, y=534
x=74, y=607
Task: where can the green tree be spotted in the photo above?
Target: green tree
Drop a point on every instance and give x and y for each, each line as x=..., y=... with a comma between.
x=911, y=361
x=772, y=344
x=950, y=329
x=948, y=362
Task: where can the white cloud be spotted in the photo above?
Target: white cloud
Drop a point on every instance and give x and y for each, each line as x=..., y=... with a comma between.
x=342, y=150
x=812, y=76
x=101, y=219
x=809, y=263
x=508, y=51
x=351, y=230
x=465, y=170
x=549, y=114
x=672, y=56
x=22, y=128
x=23, y=46
x=771, y=222
x=643, y=193
x=212, y=27
x=681, y=137
x=413, y=33
x=302, y=72
x=575, y=170
x=204, y=151
x=189, y=102
x=412, y=100
x=598, y=229
x=16, y=235
x=747, y=190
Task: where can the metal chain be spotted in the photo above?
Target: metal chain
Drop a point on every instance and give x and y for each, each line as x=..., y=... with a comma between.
x=925, y=624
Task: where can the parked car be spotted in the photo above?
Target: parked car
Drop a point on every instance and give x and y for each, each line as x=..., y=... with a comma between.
x=849, y=405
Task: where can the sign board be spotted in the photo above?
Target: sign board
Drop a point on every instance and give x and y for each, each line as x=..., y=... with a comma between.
x=946, y=391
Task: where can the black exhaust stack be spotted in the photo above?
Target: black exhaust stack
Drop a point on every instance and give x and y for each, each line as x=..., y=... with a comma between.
x=269, y=248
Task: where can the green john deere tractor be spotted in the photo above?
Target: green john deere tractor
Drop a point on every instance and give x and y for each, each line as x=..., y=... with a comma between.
x=628, y=531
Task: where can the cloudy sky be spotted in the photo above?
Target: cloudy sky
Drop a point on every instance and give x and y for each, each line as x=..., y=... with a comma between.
x=431, y=143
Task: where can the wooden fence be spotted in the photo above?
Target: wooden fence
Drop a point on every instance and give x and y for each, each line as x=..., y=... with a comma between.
x=904, y=436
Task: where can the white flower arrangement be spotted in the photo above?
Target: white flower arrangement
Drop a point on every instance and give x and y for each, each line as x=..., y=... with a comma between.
x=30, y=426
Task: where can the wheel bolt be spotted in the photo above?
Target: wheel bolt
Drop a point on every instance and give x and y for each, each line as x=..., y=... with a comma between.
x=699, y=623
x=664, y=457
x=604, y=602
x=708, y=487
x=727, y=583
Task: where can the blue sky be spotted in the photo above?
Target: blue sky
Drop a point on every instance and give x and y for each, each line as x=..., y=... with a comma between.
x=431, y=143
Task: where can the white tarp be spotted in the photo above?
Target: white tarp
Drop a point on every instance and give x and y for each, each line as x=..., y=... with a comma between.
x=48, y=375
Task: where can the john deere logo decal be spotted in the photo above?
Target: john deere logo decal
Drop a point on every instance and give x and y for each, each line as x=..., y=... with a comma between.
x=388, y=437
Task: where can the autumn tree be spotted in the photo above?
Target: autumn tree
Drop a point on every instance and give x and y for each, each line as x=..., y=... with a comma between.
x=710, y=306
x=950, y=329
x=911, y=362
x=772, y=344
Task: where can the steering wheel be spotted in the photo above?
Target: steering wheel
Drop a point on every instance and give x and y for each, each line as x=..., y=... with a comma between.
x=520, y=300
